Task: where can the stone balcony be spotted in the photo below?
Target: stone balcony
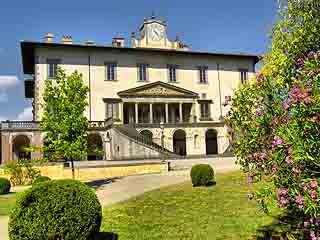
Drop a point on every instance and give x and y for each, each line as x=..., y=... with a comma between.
x=34, y=125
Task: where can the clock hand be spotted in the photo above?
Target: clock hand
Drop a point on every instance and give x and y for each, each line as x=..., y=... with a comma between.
x=156, y=32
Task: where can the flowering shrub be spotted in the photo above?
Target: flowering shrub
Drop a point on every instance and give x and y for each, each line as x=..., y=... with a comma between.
x=276, y=120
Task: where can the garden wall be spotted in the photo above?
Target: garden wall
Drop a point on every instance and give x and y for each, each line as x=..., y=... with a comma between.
x=83, y=173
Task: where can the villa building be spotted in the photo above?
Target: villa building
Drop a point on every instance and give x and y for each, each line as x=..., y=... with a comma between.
x=155, y=98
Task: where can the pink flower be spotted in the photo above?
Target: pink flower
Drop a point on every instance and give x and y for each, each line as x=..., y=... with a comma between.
x=259, y=113
x=274, y=168
x=308, y=100
x=263, y=156
x=313, y=236
x=289, y=160
x=314, y=184
x=299, y=200
x=286, y=104
x=277, y=141
x=227, y=98
x=283, y=197
x=249, y=179
x=260, y=77
x=314, y=195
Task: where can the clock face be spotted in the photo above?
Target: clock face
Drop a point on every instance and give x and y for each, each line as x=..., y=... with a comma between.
x=156, y=32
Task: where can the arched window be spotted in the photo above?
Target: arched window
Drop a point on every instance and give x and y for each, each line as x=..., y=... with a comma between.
x=95, y=147
x=196, y=141
x=211, y=142
x=19, y=143
x=179, y=142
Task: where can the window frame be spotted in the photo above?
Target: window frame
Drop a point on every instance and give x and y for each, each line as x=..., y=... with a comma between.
x=172, y=76
x=115, y=110
x=146, y=72
x=55, y=62
x=203, y=74
x=244, y=75
x=114, y=73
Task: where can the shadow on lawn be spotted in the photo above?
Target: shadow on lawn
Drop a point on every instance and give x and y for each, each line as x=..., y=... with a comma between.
x=101, y=182
x=279, y=229
x=106, y=236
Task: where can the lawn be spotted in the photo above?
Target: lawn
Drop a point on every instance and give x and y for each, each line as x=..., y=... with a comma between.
x=177, y=212
x=6, y=203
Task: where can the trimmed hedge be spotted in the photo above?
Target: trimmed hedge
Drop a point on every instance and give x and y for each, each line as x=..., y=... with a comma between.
x=201, y=175
x=57, y=209
x=5, y=186
x=40, y=179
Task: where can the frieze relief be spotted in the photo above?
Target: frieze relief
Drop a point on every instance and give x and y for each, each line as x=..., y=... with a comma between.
x=159, y=91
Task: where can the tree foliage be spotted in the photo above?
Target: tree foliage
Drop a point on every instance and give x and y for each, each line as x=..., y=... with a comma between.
x=276, y=119
x=63, y=118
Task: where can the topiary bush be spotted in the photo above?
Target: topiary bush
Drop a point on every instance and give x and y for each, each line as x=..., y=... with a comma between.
x=5, y=186
x=40, y=179
x=201, y=175
x=57, y=209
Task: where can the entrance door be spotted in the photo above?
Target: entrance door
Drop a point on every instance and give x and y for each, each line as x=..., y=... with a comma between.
x=179, y=142
x=211, y=142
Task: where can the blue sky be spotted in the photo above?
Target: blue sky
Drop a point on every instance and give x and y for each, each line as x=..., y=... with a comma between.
x=206, y=25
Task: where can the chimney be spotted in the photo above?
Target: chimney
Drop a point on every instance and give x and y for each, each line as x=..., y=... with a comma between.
x=48, y=38
x=66, y=40
x=89, y=42
x=118, y=42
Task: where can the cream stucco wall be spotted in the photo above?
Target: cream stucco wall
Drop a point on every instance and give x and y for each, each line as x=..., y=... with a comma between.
x=127, y=76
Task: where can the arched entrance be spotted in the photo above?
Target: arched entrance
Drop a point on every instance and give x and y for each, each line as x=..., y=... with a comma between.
x=211, y=142
x=179, y=142
x=95, y=147
x=147, y=133
x=19, y=144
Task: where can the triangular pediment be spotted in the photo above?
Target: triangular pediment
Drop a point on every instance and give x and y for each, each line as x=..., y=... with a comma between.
x=158, y=89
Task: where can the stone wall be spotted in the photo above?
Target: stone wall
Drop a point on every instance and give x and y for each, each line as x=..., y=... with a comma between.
x=85, y=173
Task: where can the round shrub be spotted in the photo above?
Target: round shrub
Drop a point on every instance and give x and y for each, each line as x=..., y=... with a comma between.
x=201, y=175
x=40, y=179
x=57, y=209
x=5, y=186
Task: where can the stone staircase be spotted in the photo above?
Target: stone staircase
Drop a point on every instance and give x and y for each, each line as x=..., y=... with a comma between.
x=133, y=134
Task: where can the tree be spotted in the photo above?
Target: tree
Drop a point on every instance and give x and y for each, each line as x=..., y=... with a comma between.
x=65, y=100
x=276, y=120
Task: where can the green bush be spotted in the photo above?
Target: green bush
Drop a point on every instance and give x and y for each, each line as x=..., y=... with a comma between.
x=5, y=186
x=21, y=172
x=57, y=209
x=201, y=175
x=40, y=179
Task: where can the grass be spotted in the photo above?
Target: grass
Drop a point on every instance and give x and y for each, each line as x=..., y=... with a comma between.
x=7, y=201
x=177, y=212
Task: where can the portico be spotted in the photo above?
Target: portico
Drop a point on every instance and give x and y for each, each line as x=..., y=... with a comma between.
x=158, y=102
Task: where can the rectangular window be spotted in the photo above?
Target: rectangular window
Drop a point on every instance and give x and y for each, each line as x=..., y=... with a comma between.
x=205, y=110
x=172, y=73
x=112, y=110
x=111, y=70
x=52, y=67
x=142, y=72
x=203, y=74
x=243, y=75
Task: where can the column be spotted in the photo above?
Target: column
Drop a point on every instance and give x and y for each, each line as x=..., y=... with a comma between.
x=150, y=113
x=193, y=113
x=167, y=113
x=137, y=112
x=121, y=116
x=180, y=113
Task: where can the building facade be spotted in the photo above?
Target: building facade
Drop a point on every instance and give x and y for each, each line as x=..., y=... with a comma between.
x=154, y=98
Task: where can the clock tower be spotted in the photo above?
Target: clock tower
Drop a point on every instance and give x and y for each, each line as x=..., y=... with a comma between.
x=153, y=34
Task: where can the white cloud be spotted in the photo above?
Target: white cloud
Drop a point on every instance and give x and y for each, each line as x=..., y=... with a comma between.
x=25, y=115
x=3, y=96
x=8, y=81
